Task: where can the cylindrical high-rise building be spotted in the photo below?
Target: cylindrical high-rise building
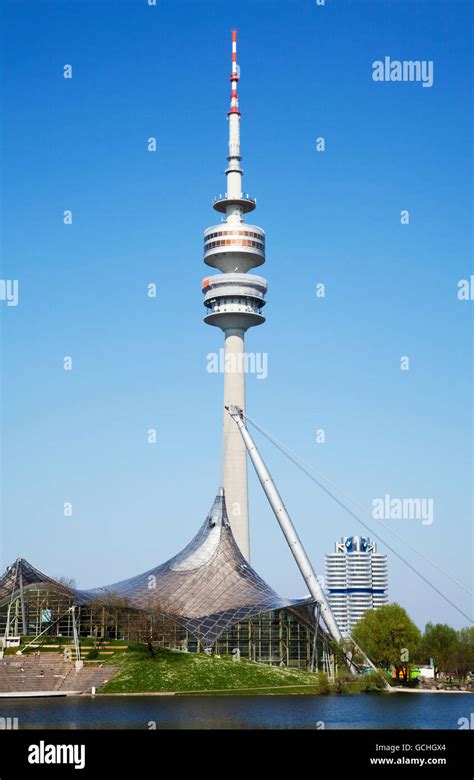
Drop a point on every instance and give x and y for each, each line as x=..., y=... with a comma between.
x=356, y=580
x=234, y=300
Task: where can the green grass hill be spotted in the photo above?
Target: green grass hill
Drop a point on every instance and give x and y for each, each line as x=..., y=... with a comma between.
x=201, y=673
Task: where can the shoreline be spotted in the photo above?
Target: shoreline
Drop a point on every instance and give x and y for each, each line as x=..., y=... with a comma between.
x=238, y=691
x=424, y=690
x=247, y=692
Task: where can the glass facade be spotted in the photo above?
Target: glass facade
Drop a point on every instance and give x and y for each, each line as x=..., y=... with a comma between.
x=277, y=637
x=234, y=242
x=235, y=232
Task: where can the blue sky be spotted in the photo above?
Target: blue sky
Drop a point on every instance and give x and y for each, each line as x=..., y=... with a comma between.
x=138, y=217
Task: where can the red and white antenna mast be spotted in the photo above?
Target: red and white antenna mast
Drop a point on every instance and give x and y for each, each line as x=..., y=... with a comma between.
x=234, y=77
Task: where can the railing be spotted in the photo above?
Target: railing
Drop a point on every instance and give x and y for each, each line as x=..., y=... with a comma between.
x=226, y=197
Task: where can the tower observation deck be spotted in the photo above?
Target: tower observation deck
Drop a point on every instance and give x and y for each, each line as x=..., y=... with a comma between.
x=234, y=300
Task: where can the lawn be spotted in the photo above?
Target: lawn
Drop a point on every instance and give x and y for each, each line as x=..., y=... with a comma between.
x=198, y=672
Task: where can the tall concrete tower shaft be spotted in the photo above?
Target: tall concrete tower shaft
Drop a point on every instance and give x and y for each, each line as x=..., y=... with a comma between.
x=234, y=300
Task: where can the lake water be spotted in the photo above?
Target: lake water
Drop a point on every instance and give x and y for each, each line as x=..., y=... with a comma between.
x=394, y=711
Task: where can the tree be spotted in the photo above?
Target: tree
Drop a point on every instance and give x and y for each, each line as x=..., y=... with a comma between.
x=440, y=643
x=69, y=583
x=347, y=649
x=106, y=610
x=464, y=653
x=115, y=615
x=389, y=637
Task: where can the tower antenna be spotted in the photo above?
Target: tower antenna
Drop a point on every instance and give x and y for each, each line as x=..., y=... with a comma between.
x=234, y=77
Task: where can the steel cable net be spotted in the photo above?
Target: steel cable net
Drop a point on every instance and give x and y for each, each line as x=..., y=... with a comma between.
x=206, y=588
x=9, y=582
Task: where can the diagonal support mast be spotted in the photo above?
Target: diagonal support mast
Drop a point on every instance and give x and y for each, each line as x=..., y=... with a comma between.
x=286, y=525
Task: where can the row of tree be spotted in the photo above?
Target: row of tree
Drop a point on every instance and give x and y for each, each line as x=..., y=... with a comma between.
x=391, y=638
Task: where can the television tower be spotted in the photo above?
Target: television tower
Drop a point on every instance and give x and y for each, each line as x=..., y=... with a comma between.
x=234, y=300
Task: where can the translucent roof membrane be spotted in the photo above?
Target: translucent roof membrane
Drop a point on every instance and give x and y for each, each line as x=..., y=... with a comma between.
x=206, y=588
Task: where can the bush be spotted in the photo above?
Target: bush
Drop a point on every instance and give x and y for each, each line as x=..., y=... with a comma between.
x=373, y=682
x=342, y=682
x=323, y=684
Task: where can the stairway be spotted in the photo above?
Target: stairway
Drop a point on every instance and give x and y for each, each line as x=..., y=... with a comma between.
x=49, y=672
